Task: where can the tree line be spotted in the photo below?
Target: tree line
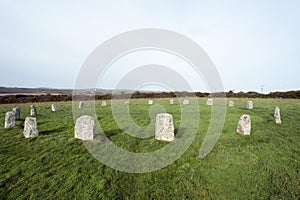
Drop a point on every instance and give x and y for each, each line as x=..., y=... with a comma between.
x=21, y=98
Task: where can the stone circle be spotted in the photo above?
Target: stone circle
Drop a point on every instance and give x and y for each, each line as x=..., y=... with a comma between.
x=277, y=115
x=126, y=103
x=17, y=111
x=30, y=127
x=103, y=103
x=249, y=105
x=54, y=107
x=185, y=102
x=210, y=102
x=85, y=128
x=33, y=111
x=164, y=127
x=10, y=119
x=81, y=105
x=244, y=125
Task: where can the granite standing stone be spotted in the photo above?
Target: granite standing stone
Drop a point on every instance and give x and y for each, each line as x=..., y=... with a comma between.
x=54, y=107
x=249, y=105
x=10, y=120
x=210, y=102
x=185, y=102
x=150, y=102
x=85, y=128
x=164, y=127
x=231, y=104
x=33, y=111
x=126, y=103
x=244, y=125
x=30, y=127
x=17, y=112
x=103, y=103
x=81, y=105
x=171, y=101
x=277, y=115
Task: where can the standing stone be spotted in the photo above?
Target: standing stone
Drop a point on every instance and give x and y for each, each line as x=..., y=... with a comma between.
x=17, y=112
x=210, y=102
x=32, y=111
x=249, y=105
x=54, y=107
x=81, y=105
x=150, y=102
x=126, y=103
x=185, y=102
x=277, y=115
x=164, y=127
x=171, y=101
x=30, y=127
x=244, y=125
x=10, y=120
x=85, y=128
x=103, y=103
x=231, y=104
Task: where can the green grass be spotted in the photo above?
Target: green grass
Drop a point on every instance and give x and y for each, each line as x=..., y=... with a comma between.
x=264, y=165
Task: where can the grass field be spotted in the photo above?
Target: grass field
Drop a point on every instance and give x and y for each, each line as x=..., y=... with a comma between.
x=264, y=165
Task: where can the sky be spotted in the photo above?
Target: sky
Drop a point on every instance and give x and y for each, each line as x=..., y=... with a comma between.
x=254, y=44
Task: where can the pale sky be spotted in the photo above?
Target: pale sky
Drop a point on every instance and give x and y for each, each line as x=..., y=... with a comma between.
x=252, y=43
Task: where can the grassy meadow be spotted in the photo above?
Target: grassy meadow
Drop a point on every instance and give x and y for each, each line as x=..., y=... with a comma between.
x=264, y=165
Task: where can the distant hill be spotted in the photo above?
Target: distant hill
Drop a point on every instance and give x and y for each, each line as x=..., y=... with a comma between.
x=32, y=91
x=24, y=95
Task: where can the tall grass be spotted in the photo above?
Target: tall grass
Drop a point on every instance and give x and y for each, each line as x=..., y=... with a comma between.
x=264, y=165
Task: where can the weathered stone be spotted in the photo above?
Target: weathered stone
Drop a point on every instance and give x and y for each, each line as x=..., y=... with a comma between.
x=244, y=125
x=171, y=101
x=164, y=127
x=210, y=102
x=33, y=111
x=126, y=103
x=231, y=104
x=81, y=105
x=17, y=112
x=103, y=103
x=249, y=105
x=185, y=102
x=10, y=120
x=54, y=107
x=277, y=115
x=30, y=127
x=85, y=128
x=150, y=102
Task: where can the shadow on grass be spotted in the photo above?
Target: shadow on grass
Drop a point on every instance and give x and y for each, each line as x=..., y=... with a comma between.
x=10, y=180
x=21, y=122
x=112, y=133
x=49, y=132
x=179, y=134
x=43, y=122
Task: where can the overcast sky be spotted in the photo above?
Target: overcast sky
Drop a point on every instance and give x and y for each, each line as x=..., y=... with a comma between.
x=252, y=43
